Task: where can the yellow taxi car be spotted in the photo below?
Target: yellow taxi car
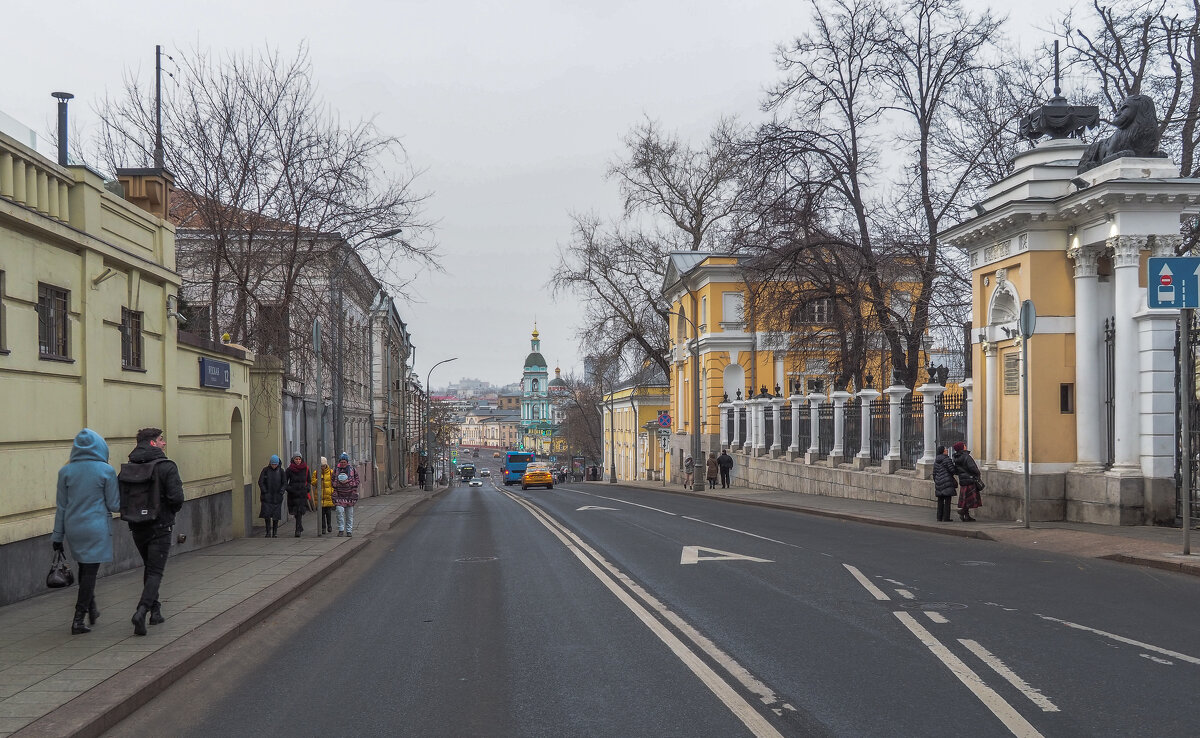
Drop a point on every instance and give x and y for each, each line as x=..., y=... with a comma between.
x=537, y=475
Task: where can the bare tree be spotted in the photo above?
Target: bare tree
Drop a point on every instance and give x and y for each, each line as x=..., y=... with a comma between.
x=582, y=426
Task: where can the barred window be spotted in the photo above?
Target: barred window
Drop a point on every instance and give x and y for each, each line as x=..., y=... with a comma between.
x=52, y=309
x=131, y=339
x=816, y=312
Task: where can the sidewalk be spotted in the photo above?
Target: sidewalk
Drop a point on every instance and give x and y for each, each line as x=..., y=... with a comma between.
x=56, y=684
x=1144, y=545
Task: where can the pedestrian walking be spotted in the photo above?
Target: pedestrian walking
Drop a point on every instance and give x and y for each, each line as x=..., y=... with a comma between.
x=945, y=486
x=422, y=472
x=296, y=479
x=725, y=463
x=345, y=494
x=322, y=483
x=148, y=470
x=271, y=483
x=689, y=471
x=711, y=470
x=87, y=493
x=969, y=480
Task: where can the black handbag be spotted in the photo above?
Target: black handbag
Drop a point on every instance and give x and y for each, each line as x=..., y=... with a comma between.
x=60, y=572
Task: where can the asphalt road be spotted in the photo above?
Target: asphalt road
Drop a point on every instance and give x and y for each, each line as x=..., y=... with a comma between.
x=600, y=610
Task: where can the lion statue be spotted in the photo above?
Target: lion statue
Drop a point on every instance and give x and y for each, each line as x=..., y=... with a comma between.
x=1137, y=134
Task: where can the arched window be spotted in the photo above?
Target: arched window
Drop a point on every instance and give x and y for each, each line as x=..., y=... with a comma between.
x=534, y=385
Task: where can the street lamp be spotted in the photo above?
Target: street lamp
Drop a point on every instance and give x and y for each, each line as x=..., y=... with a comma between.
x=428, y=412
x=697, y=479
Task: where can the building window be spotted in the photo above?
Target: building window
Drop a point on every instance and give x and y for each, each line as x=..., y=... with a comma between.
x=199, y=319
x=131, y=339
x=3, y=333
x=52, y=322
x=816, y=312
x=272, y=331
x=1066, y=398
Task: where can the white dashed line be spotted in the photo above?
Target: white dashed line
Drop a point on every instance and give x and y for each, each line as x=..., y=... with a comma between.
x=936, y=617
x=906, y=594
x=1009, y=675
x=1123, y=639
x=866, y=583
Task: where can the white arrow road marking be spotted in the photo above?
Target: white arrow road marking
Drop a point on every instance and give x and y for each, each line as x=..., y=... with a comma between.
x=1002, y=669
x=625, y=502
x=1122, y=639
x=691, y=555
x=593, y=507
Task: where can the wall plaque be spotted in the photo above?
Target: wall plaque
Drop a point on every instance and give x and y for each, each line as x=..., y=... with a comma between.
x=1012, y=373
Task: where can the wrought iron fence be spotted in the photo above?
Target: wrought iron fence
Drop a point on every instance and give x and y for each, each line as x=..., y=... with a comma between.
x=951, y=412
x=729, y=424
x=741, y=421
x=881, y=417
x=805, y=439
x=769, y=414
x=852, y=429
x=912, y=436
x=1110, y=390
x=785, y=426
x=1187, y=446
x=825, y=429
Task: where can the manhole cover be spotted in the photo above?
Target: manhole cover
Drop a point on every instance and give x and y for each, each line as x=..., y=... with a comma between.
x=975, y=563
x=475, y=559
x=932, y=606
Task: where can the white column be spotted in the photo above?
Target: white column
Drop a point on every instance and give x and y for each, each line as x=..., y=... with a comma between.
x=760, y=426
x=968, y=387
x=777, y=429
x=895, y=393
x=794, y=450
x=929, y=394
x=992, y=411
x=723, y=411
x=1128, y=302
x=837, y=455
x=737, y=432
x=1157, y=367
x=814, y=420
x=865, y=397
x=1089, y=387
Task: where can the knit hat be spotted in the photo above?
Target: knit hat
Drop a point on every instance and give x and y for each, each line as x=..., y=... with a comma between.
x=274, y=459
x=324, y=461
x=960, y=446
x=344, y=457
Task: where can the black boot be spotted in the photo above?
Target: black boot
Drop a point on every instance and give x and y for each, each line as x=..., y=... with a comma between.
x=93, y=612
x=139, y=620
x=77, y=625
x=156, y=617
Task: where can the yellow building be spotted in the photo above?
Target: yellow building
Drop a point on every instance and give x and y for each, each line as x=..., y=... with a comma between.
x=629, y=419
x=88, y=338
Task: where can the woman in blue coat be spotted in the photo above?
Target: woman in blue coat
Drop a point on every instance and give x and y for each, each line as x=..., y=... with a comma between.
x=87, y=493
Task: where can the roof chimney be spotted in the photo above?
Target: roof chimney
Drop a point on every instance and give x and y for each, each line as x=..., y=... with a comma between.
x=62, y=98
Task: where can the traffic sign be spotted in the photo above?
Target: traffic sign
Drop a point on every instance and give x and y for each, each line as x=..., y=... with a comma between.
x=664, y=420
x=1174, y=282
x=664, y=433
x=1028, y=319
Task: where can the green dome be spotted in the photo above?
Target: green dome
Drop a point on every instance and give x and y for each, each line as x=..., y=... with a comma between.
x=535, y=358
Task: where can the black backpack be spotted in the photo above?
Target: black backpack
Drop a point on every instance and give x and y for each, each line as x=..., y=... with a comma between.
x=140, y=497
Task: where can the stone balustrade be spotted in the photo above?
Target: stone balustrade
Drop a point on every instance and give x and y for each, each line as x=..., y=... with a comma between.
x=33, y=181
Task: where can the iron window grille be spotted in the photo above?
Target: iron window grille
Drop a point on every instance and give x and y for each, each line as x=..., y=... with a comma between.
x=131, y=339
x=52, y=308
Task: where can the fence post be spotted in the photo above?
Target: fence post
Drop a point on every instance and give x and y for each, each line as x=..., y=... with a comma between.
x=866, y=397
x=813, y=454
x=929, y=394
x=760, y=426
x=724, y=411
x=777, y=443
x=794, y=450
x=968, y=388
x=837, y=455
x=891, y=462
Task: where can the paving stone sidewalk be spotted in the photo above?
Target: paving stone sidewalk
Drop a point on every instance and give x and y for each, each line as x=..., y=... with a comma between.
x=1144, y=545
x=54, y=683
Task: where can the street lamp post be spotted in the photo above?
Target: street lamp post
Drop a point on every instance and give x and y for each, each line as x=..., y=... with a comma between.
x=612, y=428
x=697, y=461
x=428, y=412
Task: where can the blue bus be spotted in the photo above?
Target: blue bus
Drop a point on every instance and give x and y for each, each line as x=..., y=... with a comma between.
x=514, y=466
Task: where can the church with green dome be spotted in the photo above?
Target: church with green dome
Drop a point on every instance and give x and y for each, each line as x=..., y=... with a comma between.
x=540, y=414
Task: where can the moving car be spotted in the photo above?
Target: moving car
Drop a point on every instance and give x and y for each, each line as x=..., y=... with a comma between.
x=485, y=472
x=495, y=454
x=475, y=483
x=537, y=475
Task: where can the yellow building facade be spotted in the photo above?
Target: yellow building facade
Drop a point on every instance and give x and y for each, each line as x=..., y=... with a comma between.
x=88, y=338
x=629, y=420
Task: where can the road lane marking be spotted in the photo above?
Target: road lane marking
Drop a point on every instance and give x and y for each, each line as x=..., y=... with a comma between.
x=893, y=581
x=1156, y=659
x=594, y=507
x=1008, y=715
x=691, y=555
x=998, y=666
x=1123, y=639
x=736, y=530
x=625, y=502
x=906, y=594
x=936, y=617
x=610, y=575
x=879, y=593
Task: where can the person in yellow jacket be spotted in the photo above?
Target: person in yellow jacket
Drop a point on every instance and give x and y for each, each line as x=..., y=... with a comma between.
x=322, y=482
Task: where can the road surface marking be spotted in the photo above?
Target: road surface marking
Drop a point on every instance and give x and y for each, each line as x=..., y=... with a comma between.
x=906, y=594
x=1156, y=659
x=879, y=593
x=936, y=617
x=893, y=581
x=1008, y=715
x=1122, y=639
x=625, y=502
x=691, y=555
x=1002, y=669
x=593, y=561
x=743, y=532
x=594, y=507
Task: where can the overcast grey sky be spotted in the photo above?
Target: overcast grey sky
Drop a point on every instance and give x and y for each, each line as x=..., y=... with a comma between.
x=513, y=109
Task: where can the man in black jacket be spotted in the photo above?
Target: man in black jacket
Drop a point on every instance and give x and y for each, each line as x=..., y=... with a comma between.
x=153, y=537
x=725, y=464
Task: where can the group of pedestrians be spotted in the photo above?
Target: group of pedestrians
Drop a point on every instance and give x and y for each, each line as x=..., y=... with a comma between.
x=714, y=467
x=956, y=475
x=336, y=488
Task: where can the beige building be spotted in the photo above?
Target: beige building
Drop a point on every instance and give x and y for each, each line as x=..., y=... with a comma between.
x=630, y=428
x=88, y=338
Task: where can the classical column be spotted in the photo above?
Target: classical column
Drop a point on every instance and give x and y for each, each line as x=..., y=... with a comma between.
x=760, y=426
x=794, y=450
x=1128, y=300
x=865, y=397
x=929, y=394
x=1089, y=385
x=968, y=387
x=777, y=429
x=814, y=419
x=991, y=415
x=737, y=439
x=838, y=454
x=895, y=394
x=723, y=413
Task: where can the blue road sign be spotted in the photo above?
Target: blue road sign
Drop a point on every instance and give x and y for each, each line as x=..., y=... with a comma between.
x=1173, y=282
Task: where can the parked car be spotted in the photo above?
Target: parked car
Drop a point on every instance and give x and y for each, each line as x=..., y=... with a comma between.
x=537, y=475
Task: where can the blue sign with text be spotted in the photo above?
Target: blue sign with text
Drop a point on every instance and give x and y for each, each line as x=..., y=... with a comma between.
x=1173, y=282
x=214, y=373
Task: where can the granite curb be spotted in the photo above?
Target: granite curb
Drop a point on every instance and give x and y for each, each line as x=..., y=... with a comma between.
x=108, y=703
